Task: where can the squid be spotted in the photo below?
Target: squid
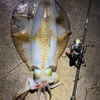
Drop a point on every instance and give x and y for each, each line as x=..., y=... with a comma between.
x=40, y=31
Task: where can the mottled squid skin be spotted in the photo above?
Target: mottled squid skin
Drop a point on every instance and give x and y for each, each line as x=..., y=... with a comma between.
x=40, y=34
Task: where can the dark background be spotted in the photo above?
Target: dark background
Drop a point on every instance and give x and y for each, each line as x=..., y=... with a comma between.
x=13, y=73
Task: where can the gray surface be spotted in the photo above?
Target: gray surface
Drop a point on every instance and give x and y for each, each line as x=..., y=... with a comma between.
x=13, y=73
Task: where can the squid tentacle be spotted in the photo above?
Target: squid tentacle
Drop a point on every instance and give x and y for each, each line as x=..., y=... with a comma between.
x=49, y=91
x=39, y=93
x=55, y=85
x=21, y=92
x=22, y=97
x=44, y=93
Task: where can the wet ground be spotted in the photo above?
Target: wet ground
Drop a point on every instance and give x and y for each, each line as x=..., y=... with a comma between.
x=13, y=72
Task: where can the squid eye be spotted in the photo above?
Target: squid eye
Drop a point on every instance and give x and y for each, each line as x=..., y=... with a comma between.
x=48, y=71
x=37, y=73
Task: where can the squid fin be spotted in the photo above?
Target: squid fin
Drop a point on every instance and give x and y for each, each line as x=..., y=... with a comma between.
x=62, y=42
x=23, y=36
x=63, y=36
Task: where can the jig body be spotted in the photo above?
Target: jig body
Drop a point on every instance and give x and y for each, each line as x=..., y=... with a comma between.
x=40, y=32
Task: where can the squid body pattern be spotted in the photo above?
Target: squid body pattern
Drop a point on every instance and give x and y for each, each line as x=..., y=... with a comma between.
x=40, y=31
